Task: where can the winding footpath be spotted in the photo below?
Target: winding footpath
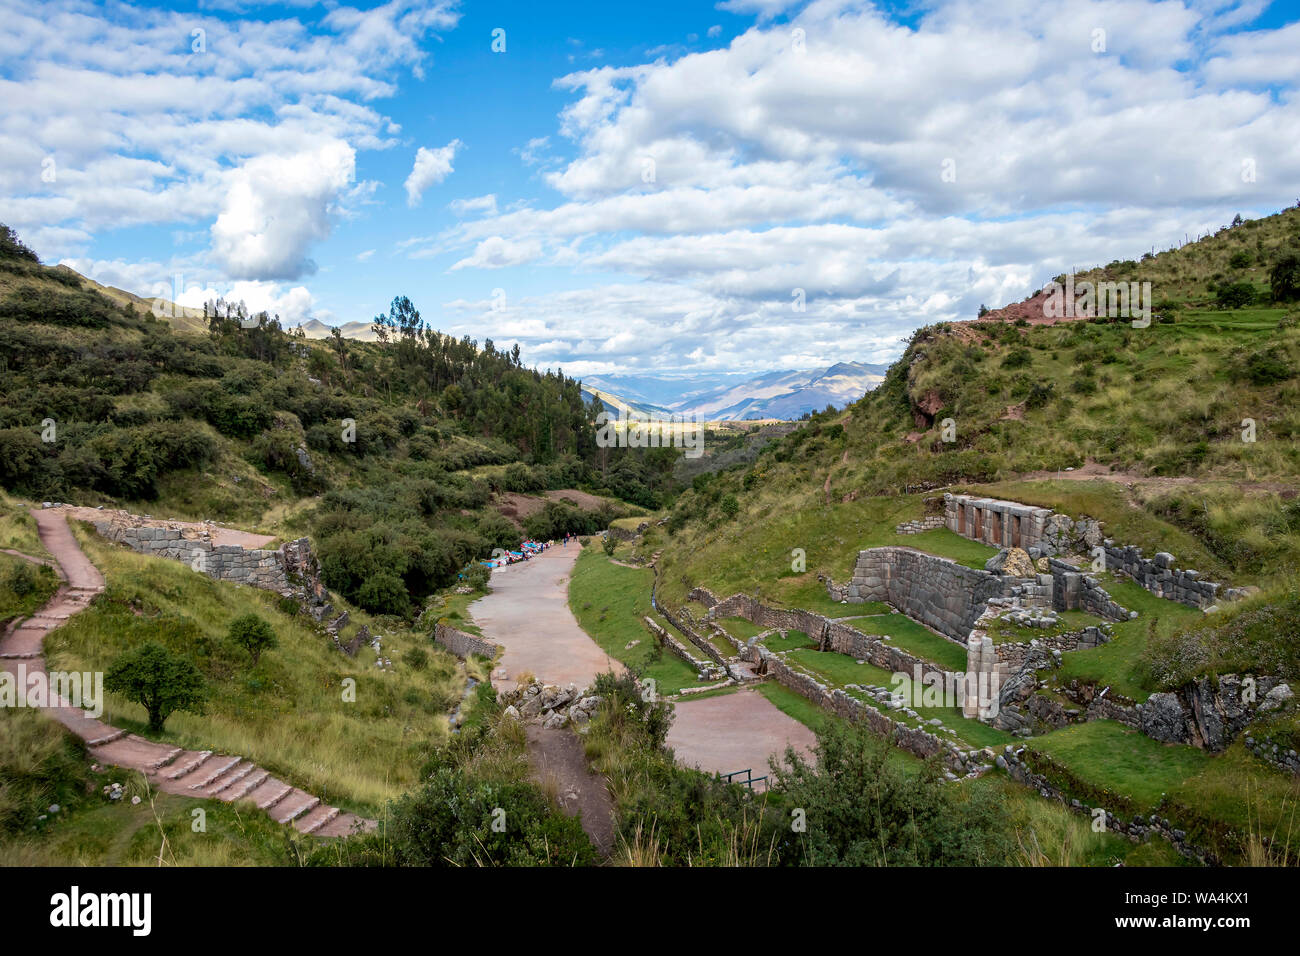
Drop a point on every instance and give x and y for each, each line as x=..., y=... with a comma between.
x=189, y=773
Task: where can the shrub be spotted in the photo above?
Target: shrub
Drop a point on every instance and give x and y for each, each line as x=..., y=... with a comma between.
x=862, y=810
x=252, y=634
x=1284, y=278
x=158, y=680
x=730, y=506
x=457, y=820
x=610, y=544
x=384, y=593
x=1240, y=259
x=1235, y=295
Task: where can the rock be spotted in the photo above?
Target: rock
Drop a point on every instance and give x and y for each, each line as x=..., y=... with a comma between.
x=1276, y=697
x=512, y=712
x=556, y=720
x=1164, y=719
x=1011, y=562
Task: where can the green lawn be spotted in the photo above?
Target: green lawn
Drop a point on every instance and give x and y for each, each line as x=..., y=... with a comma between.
x=610, y=602
x=1116, y=663
x=792, y=640
x=914, y=638
x=949, y=544
x=1110, y=756
x=740, y=627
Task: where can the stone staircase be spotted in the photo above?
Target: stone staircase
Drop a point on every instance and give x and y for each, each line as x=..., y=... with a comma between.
x=190, y=773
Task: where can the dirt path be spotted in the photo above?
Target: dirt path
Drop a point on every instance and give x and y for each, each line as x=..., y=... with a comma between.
x=528, y=614
x=189, y=773
x=1095, y=471
x=559, y=763
x=220, y=536
x=735, y=732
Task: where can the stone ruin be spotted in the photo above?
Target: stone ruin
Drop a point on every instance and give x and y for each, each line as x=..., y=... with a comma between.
x=291, y=571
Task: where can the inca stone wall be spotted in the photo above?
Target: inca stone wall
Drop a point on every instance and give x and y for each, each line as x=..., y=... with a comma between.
x=940, y=593
x=291, y=571
x=1159, y=576
x=1044, y=533
x=463, y=644
x=912, y=739
x=1073, y=590
x=706, y=669
x=829, y=635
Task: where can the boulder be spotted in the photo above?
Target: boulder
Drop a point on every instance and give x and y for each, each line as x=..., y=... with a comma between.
x=1012, y=562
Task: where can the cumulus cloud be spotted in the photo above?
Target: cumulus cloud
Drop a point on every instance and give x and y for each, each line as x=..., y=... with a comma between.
x=276, y=207
x=431, y=167
x=143, y=130
x=897, y=174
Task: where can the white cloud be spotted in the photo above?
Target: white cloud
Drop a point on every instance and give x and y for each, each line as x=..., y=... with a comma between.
x=715, y=183
x=276, y=207
x=431, y=167
x=145, y=131
x=485, y=205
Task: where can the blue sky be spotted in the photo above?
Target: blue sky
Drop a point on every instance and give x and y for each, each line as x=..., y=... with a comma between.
x=634, y=187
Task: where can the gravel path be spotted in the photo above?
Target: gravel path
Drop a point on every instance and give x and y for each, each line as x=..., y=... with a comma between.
x=528, y=614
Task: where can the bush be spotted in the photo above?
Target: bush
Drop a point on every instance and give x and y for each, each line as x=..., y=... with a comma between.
x=252, y=634
x=455, y=820
x=1235, y=295
x=1240, y=259
x=862, y=810
x=1284, y=278
x=730, y=506
x=158, y=680
x=384, y=593
x=1266, y=367
x=610, y=544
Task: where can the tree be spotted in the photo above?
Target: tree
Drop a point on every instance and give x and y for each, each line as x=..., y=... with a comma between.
x=610, y=544
x=252, y=634
x=1284, y=278
x=1235, y=295
x=158, y=680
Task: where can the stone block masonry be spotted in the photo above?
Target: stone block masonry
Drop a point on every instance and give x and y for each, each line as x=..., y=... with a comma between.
x=1044, y=533
x=291, y=571
x=463, y=644
x=942, y=594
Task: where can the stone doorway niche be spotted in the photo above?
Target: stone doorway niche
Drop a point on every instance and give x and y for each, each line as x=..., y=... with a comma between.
x=1015, y=531
x=997, y=529
x=961, y=519
x=978, y=530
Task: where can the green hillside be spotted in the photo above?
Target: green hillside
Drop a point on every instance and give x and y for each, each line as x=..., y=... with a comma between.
x=396, y=456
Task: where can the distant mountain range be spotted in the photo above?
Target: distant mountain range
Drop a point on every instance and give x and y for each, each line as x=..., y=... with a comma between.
x=775, y=395
x=727, y=396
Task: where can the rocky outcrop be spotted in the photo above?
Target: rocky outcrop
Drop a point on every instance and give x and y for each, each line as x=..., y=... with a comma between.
x=1210, y=712
x=550, y=705
x=1012, y=562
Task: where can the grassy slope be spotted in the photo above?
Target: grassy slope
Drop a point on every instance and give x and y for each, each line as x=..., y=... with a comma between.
x=609, y=601
x=288, y=712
